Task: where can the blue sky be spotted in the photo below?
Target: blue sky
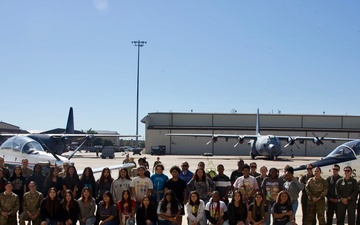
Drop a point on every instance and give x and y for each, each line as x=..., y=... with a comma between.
x=208, y=56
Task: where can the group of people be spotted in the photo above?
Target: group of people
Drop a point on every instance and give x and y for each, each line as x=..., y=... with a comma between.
x=137, y=196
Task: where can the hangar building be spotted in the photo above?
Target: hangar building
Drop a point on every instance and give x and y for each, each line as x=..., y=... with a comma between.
x=158, y=124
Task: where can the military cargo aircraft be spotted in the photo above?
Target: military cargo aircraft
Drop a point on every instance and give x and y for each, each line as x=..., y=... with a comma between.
x=263, y=145
x=58, y=143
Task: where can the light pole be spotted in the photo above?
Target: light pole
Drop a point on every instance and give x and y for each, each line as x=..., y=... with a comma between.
x=137, y=44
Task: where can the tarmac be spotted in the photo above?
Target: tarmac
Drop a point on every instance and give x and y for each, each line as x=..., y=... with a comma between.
x=82, y=160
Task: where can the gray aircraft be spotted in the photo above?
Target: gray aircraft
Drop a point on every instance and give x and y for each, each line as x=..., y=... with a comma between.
x=263, y=145
x=58, y=143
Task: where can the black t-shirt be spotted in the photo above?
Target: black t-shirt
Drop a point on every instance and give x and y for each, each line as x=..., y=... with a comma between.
x=281, y=208
x=258, y=216
x=177, y=187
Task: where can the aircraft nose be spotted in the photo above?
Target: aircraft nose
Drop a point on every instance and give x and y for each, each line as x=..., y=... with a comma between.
x=271, y=147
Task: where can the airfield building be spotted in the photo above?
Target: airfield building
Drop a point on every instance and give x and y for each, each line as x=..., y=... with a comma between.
x=158, y=124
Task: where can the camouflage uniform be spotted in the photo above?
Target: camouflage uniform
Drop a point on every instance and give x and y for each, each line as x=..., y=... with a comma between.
x=31, y=203
x=304, y=198
x=316, y=188
x=8, y=203
x=26, y=172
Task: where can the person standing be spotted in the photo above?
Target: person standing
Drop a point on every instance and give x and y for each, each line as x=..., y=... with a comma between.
x=263, y=175
x=271, y=187
x=155, y=163
x=25, y=170
x=121, y=184
x=6, y=172
x=185, y=174
x=140, y=186
x=158, y=179
x=237, y=173
x=346, y=190
x=332, y=200
x=31, y=205
x=178, y=186
x=293, y=187
x=316, y=189
x=304, y=196
x=247, y=185
x=222, y=183
x=9, y=205
x=253, y=172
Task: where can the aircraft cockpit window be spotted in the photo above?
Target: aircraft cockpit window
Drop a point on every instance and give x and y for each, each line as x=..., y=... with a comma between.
x=342, y=152
x=31, y=146
x=356, y=148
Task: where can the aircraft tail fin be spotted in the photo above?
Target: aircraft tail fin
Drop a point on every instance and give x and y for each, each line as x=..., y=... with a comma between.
x=70, y=122
x=257, y=123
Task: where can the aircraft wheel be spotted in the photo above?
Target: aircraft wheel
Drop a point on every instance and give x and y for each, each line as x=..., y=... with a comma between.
x=252, y=155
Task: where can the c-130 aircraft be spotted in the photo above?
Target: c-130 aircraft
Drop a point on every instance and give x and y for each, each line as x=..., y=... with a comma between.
x=263, y=145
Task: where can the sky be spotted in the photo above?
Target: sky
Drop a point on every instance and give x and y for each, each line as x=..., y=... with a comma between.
x=209, y=56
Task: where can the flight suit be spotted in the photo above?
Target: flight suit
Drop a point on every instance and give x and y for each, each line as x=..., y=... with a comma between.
x=31, y=203
x=331, y=206
x=304, y=198
x=346, y=189
x=316, y=188
x=9, y=203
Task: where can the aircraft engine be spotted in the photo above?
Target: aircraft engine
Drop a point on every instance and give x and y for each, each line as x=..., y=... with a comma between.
x=214, y=139
x=318, y=140
x=240, y=141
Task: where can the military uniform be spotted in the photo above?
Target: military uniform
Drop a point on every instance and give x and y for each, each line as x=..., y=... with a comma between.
x=316, y=188
x=31, y=203
x=331, y=206
x=8, y=203
x=346, y=189
x=304, y=198
x=26, y=172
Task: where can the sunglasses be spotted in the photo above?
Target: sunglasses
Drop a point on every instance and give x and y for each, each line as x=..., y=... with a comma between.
x=253, y=166
x=335, y=169
x=347, y=170
x=185, y=166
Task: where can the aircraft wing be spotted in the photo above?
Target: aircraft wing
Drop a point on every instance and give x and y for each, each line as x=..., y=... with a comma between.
x=245, y=136
x=90, y=135
x=119, y=166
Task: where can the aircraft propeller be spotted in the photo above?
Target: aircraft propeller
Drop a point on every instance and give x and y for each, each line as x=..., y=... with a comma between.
x=318, y=140
x=240, y=141
x=291, y=141
x=214, y=139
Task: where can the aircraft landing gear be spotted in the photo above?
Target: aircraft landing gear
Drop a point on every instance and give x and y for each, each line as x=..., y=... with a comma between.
x=252, y=155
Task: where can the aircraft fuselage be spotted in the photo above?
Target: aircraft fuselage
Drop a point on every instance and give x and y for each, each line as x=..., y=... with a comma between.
x=266, y=145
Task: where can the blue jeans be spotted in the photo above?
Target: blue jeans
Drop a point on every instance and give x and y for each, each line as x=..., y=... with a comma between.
x=51, y=222
x=295, y=205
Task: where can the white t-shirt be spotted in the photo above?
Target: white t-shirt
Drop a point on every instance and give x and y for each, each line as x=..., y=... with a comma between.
x=246, y=185
x=141, y=186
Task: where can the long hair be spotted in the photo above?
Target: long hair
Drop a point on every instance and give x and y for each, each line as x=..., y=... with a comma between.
x=197, y=200
x=14, y=174
x=72, y=202
x=111, y=200
x=75, y=175
x=197, y=178
x=35, y=166
x=52, y=204
x=260, y=208
x=233, y=199
x=83, y=199
x=91, y=175
x=174, y=204
x=128, y=201
x=102, y=177
x=278, y=198
x=127, y=174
